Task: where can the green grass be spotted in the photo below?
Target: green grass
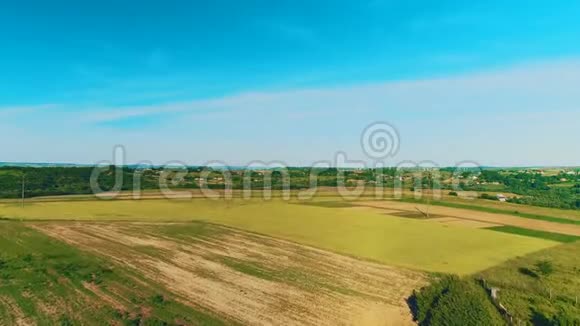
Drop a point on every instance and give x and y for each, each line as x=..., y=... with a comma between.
x=564, y=238
x=531, y=296
x=496, y=211
x=562, y=185
x=37, y=271
x=250, y=268
x=491, y=187
x=392, y=240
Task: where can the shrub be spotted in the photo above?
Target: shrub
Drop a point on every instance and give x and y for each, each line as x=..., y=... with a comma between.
x=452, y=193
x=453, y=301
x=545, y=267
x=488, y=197
x=158, y=299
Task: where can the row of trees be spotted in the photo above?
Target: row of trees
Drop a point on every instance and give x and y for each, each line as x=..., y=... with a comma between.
x=534, y=188
x=537, y=189
x=44, y=181
x=62, y=180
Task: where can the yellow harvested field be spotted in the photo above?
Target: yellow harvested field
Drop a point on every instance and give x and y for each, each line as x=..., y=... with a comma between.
x=443, y=219
x=463, y=222
x=323, y=193
x=396, y=241
x=466, y=214
x=250, y=279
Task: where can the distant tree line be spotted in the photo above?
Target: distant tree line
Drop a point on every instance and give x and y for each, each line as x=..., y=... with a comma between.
x=47, y=181
x=50, y=181
x=533, y=188
x=536, y=189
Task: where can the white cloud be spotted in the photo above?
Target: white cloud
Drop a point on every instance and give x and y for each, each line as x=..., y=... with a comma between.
x=526, y=88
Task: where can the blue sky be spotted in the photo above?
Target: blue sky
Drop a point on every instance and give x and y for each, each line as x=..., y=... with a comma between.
x=494, y=82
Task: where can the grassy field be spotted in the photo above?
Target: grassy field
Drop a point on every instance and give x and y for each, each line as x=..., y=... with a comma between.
x=392, y=240
x=46, y=282
x=535, y=296
x=535, y=233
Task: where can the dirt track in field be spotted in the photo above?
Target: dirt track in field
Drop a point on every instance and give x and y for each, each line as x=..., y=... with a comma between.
x=471, y=215
x=252, y=279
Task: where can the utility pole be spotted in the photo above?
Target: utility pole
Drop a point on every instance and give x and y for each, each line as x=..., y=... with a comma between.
x=22, y=201
x=426, y=214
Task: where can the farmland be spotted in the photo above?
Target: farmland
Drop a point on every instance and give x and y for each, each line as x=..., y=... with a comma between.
x=254, y=261
x=44, y=282
x=403, y=242
x=290, y=163
x=564, y=226
x=248, y=278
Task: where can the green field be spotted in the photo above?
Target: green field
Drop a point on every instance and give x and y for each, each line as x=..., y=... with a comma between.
x=391, y=240
x=536, y=233
x=533, y=296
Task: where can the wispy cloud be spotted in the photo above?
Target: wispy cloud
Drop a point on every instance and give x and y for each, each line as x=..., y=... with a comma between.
x=523, y=88
x=525, y=114
x=526, y=88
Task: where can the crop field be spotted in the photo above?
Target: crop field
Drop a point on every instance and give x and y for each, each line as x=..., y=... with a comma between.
x=248, y=278
x=184, y=274
x=212, y=261
x=331, y=194
x=397, y=241
x=563, y=226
